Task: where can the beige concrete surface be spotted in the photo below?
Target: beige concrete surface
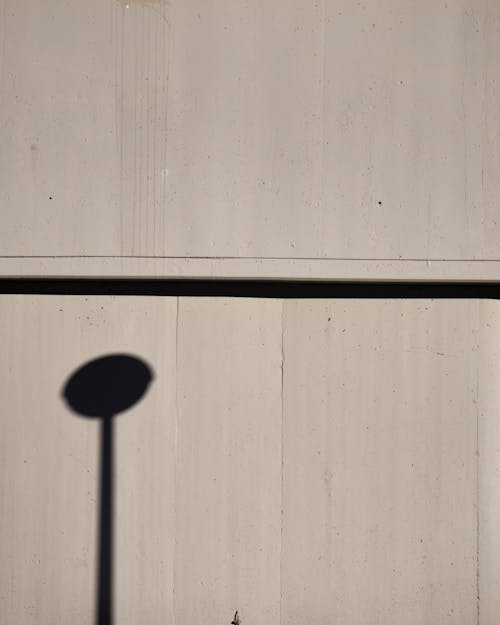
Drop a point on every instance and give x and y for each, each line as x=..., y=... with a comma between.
x=247, y=130
x=489, y=464
x=256, y=268
x=228, y=477
x=300, y=461
x=379, y=462
x=49, y=461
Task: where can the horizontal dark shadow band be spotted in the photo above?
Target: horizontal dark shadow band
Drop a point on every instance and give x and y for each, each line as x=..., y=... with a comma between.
x=285, y=289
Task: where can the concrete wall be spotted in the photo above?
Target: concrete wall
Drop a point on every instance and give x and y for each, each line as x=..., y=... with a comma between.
x=250, y=139
x=301, y=461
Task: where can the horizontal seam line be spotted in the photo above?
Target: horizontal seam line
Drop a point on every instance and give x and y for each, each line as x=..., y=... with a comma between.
x=293, y=258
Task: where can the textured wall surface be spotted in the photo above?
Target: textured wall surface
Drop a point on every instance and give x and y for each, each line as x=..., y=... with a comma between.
x=321, y=132
x=301, y=461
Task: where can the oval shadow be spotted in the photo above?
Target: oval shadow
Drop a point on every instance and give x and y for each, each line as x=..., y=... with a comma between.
x=108, y=385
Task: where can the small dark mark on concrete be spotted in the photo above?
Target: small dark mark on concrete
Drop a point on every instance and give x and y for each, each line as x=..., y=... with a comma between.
x=236, y=619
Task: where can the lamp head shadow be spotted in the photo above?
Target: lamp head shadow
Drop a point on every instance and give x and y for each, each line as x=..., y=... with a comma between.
x=108, y=385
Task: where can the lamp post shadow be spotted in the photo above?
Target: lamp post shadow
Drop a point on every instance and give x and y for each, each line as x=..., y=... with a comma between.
x=103, y=388
x=104, y=599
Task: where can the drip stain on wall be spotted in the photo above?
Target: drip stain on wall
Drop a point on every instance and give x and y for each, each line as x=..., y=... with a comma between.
x=145, y=3
x=141, y=32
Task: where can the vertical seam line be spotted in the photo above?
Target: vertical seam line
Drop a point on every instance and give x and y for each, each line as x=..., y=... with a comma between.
x=174, y=607
x=282, y=455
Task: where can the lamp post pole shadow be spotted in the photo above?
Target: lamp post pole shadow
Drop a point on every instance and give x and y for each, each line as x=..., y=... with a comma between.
x=103, y=388
x=104, y=594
